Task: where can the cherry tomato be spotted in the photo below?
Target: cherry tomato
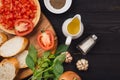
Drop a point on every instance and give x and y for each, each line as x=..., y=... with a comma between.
x=23, y=27
x=46, y=40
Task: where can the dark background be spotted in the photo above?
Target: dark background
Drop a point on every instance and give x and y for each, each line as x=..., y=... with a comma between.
x=100, y=17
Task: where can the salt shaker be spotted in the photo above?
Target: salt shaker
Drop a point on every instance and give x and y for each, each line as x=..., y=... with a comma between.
x=87, y=44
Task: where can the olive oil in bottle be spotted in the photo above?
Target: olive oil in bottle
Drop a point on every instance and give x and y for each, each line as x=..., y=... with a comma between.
x=74, y=26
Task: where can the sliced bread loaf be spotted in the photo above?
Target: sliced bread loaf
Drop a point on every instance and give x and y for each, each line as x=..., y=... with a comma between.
x=22, y=59
x=8, y=69
x=3, y=38
x=13, y=46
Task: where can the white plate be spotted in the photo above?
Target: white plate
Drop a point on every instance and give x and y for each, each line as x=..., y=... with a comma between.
x=57, y=11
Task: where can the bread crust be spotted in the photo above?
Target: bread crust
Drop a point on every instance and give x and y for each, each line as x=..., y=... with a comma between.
x=21, y=57
x=24, y=45
x=3, y=37
x=35, y=20
x=13, y=61
x=24, y=74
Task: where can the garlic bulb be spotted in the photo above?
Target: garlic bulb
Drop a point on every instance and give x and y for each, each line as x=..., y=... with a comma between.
x=82, y=64
x=69, y=58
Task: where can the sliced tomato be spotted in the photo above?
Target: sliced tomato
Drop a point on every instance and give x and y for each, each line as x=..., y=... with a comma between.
x=12, y=10
x=46, y=40
x=23, y=27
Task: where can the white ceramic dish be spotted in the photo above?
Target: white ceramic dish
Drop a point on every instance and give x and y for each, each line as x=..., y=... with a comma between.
x=58, y=11
x=69, y=36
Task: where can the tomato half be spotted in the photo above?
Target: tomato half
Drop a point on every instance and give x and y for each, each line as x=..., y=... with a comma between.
x=23, y=27
x=46, y=40
x=12, y=10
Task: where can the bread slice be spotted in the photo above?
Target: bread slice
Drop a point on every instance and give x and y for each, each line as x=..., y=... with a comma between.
x=35, y=20
x=22, y=59
x=13, y=46
x=8, y=69
x=23, y=74
x=3, y=38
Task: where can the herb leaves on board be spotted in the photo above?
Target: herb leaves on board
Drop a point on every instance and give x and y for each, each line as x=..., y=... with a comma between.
x=49, y=66
x=31, y=57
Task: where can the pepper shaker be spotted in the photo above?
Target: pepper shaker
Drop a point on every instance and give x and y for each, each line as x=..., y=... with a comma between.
x=87, y=44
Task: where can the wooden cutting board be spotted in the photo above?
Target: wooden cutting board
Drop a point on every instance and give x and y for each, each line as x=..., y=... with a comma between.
x=43, y=24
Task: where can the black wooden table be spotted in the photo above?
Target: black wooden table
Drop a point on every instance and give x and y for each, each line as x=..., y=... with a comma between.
x=100, y=17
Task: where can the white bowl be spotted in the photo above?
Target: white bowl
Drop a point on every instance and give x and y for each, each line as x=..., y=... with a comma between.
x=57, y=11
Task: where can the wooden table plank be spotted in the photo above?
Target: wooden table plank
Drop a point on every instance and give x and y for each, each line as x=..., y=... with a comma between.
x=100, y=17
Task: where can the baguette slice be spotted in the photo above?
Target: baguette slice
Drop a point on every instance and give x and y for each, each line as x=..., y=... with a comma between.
x=13, y=46
x=8, y=69
x=22, y=59
x=3, y=38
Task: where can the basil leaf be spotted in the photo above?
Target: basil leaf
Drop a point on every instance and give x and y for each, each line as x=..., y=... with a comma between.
x=31, y=58
x=60, y=49
x=44, y=65
x=60, y=58
x=58, y=69
x=52, y=56
x=47, y=75
x=57, y=77
x=33, y=53
x=30, y=63
x=49, y=66
x=39, y=62
x=46, y=54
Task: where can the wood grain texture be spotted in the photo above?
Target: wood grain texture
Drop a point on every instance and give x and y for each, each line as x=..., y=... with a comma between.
x=43, y=24
x=100, y=17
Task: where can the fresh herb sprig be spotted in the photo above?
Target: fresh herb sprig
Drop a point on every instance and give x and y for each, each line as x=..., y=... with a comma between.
x=31, y=59
x=49, y=66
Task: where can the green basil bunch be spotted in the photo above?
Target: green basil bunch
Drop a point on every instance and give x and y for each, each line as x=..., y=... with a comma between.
x=49, y=66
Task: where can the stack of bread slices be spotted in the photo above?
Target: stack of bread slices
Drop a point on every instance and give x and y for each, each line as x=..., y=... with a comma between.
x=13, y=52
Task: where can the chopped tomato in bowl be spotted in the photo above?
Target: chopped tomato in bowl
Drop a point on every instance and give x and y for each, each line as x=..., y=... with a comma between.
x=12, y=11
x=23, y=27
x=46, y=40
